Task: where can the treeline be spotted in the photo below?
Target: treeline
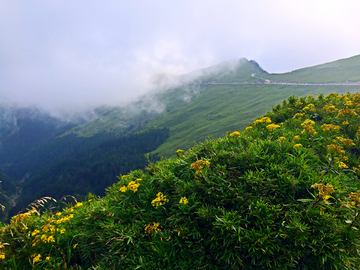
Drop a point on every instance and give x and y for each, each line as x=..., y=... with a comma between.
x=92, y=170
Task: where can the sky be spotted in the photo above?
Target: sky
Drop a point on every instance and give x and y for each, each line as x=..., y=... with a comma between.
x=69, y=55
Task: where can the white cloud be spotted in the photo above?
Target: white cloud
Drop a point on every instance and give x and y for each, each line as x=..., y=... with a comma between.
x=78, y=54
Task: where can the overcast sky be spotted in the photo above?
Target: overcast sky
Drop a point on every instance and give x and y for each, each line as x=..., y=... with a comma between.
x=71, y=54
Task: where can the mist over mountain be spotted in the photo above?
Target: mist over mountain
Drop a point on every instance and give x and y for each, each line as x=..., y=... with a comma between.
x=74, y=154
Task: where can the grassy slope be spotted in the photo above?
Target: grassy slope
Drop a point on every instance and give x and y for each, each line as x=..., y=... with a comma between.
x=338, y=71
x=224, y=108
x=275, y=196
x=215, y=109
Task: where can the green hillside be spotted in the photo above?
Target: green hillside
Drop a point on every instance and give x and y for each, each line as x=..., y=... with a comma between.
x=340, y=71
x=218, y=99
x=283, y=193
x=223, y=108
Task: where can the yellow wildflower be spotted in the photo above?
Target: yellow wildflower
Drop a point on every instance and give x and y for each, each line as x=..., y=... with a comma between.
x=299, y=115
x=347, y=142
x=35, y=232
x=36, y=258
x=355, y=199
x=346, y=112
x=235, y=133
x=342, y=165
x=324, y=191
x=133, y=186
x=330, y=127
x=262, y=120
x=336, y=149
x=151, y=228
x=47, y=258
x=199, y=165
x=184, y=200
x=297, y=137
x=307, y=123
x=78, y=204
x=330, y=108
x=75, y=245
x=272, y=127
x=247, y=128
x=179, y=151
x=123, y=189
x=281, y=139
x=159, y=200
x=297, y=145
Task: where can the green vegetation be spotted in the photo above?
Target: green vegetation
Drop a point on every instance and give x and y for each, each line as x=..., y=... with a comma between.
x=281, y=194
x=340, y=71
x=222, y=108
x=92, y=170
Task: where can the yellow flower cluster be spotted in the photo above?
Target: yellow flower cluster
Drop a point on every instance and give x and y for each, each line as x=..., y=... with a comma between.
x=64, y=219
x=297, y=145
x=308, y=126
x=297, y=137
x=235, y=133
x=36, y=258
x=78, y=204
x=48, y=231
x=307, y=123
x=310, y=107
x=336, y=149
x=346, y=142
x=159, y=200
x=324, y=191
x=342, y=165
x=356, y=97
x=272, y=127
x=179, y=151
x=298, y=104
x=330, y=108
x=21, y=217
x=199, y=165
x=281, y=139
x=151, y=228
x=262, y=120
x=247, y=128
x=335, y=95
x=299, y=115
x=133, y=185
x=184, y=200
x=349, y=103
x=2, y=255
x=330, y=127
x=355, y=199
x=346, y=112
x=309, y=130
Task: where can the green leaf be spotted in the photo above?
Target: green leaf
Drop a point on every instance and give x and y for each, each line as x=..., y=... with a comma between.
x=305, y=200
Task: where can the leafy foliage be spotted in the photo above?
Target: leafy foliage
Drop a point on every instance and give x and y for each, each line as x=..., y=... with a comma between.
x=281, y=194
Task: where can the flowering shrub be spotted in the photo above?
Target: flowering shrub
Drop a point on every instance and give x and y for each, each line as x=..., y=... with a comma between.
x=284, y=194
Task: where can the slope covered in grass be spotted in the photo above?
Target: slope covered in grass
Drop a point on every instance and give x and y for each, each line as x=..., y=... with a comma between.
x=222, y=108
x=280, y=194
x=340, y=71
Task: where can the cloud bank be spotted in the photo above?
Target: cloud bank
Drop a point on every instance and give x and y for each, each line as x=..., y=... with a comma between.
x=73, y=55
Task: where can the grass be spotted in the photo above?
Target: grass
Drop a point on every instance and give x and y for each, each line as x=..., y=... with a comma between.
x=219, y=109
